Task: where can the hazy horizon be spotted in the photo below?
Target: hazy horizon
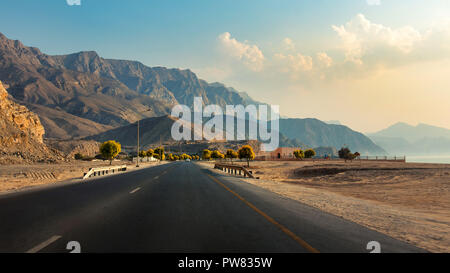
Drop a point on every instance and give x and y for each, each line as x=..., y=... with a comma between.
x=368, y=64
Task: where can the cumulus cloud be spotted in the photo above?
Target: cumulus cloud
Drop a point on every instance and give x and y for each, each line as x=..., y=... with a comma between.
x=294, y=62
x=365, y=47
x=324, y=60
x=360, y=37
x=250, y=55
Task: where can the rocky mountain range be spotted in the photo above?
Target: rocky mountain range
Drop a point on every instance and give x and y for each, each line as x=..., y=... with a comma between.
x=82, y=94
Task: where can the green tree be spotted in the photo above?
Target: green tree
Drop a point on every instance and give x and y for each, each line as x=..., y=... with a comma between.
x=185, y=156
x=78, y=156
x=246, y=152
x=231, y=154
x=299, y=154
x=217, y=155
x=142, y=154
x=310, y=153
x=159, y=153
x=346, y=154
x=206, y=154
x=110, y=149
x=150, y=152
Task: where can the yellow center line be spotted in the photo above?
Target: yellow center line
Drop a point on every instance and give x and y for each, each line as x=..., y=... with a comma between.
x=268, y=218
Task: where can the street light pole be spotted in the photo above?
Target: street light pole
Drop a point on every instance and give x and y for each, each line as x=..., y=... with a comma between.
x=137, y=163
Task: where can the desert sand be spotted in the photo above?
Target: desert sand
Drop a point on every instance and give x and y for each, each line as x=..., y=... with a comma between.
x=408, y=201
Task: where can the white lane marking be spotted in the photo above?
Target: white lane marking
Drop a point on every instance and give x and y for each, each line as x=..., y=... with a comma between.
x=157, y=177
x=135, y=190
x=44, y=244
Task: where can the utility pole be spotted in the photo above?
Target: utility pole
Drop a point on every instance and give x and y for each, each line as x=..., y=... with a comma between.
x=160, y=149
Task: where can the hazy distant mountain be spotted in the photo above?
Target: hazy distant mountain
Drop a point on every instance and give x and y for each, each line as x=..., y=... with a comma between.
x=412, y=133
x=335, y=122
x=402, y=138
x=315, y=133
x=154, y=130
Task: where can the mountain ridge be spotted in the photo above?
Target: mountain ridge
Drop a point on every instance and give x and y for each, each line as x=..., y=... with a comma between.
x=412, y=133
x=88, y=86
x=82, y=94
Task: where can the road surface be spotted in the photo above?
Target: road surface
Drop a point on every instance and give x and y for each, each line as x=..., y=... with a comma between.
x=179, y=207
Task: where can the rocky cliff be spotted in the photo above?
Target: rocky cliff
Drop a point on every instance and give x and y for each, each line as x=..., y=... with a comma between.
x=20, y=117
x=21, y=133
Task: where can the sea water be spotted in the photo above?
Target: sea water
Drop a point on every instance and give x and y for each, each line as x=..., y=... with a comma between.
x=429, y=159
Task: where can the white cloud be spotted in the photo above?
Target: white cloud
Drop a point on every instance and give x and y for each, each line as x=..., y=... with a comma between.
x=360, y=37
x=73, y=2
x=288, y=44
x=294, y=65
x=373, y=47
x=250, y=55
x=373, y=2
x=324, y=60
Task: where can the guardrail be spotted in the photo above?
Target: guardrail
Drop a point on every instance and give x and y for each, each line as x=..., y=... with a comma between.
x=361, y=158
x=234, y=169
x=104, y=170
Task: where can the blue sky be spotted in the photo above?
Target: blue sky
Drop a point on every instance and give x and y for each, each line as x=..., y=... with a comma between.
x=265, y=38
x=177, y=33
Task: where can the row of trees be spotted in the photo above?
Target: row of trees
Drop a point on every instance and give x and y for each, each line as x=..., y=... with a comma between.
x=245, y=152
x=300, y=154
x=157, y=153
x=344, y=153
x=173, y=157
x=110, y=149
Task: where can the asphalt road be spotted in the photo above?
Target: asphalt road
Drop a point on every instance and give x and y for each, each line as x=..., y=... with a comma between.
x=178, y=207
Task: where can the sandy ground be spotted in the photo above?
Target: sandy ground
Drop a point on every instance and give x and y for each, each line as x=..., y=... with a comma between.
x=15, y=177
x=408, y=201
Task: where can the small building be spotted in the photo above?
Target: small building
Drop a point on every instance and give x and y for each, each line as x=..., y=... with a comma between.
x=280, y=153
